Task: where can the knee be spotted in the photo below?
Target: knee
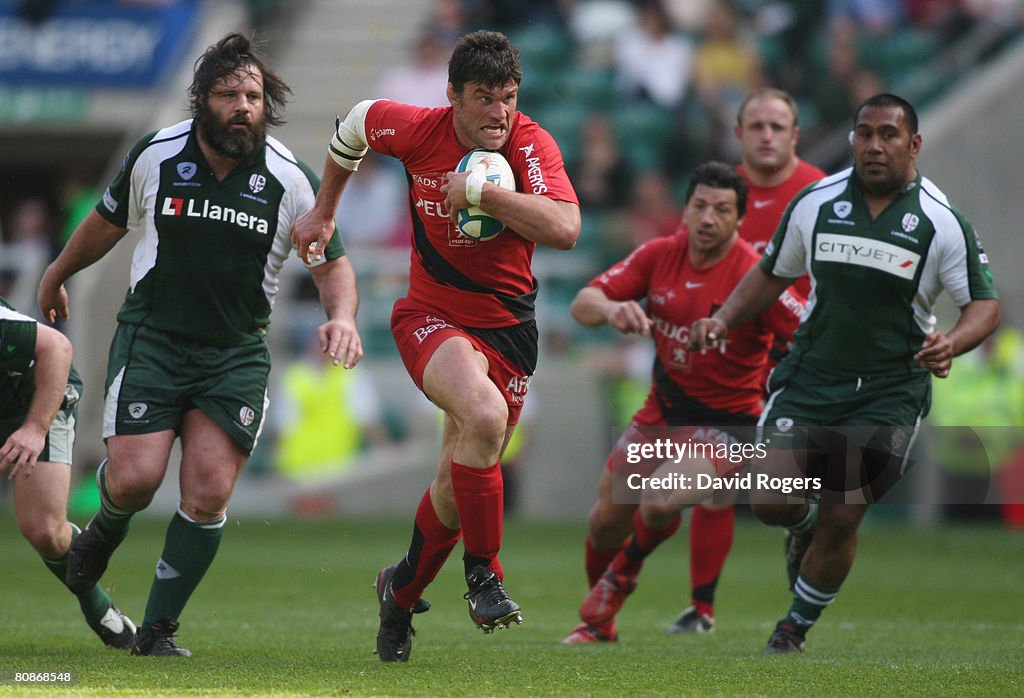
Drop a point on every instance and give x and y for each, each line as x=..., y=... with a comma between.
x=658, y=515
x=129, y=490
x=48, y=536
x=485, y=422
x=838, y=526
x=606, y=529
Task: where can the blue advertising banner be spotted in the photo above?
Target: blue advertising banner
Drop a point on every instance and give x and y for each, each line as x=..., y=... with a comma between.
x=95, y=44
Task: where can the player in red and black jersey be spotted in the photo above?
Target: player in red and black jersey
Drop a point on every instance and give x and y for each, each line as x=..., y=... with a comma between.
x=714, y=397
x=767, y=132
x=466, y=330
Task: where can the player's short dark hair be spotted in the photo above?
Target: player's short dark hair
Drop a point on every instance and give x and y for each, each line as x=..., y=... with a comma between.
x=235, y=51
x=486, y=57
x=769, y=93
x=718, y=175
x=886, y=99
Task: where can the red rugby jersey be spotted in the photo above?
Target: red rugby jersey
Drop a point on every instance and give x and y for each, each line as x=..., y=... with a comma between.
x=727, y=378
x=477, y=284
x=765, y=206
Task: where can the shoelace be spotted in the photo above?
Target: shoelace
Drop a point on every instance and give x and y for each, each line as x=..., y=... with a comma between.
x=493, y=592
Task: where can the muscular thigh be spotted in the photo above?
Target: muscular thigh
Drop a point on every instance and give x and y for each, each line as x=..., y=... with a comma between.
x=508, y=355
x=154, y=379
x=853, y=434
x=42, y=499
x=210, y=463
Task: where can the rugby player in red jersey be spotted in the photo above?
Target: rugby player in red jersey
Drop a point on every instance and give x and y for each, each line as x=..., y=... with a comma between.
x=713, y=397
x=767, y=131
x=466, y=330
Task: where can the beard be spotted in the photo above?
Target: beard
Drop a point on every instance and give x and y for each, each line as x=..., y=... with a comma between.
x=229, y=141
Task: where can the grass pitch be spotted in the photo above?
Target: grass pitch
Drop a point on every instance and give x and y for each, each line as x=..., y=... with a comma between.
x=288, y=609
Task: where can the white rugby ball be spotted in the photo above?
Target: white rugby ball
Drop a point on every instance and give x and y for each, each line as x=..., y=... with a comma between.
x=473, y=222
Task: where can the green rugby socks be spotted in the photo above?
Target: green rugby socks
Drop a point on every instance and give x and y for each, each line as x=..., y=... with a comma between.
x=189, y=549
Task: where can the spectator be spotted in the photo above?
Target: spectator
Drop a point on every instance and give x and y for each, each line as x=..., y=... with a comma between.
x=846, y=84
x=727, y=67
x=29, y=242
x=326, y=416
x=874, y=17
x=601, y=173
x=652, y=43
x=654, y=212
x=424, y=79
x=376, y=206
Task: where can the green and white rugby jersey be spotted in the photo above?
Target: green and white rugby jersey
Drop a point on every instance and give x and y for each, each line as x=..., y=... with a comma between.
x=207, y=264
x=874, y=282
x=18, y=366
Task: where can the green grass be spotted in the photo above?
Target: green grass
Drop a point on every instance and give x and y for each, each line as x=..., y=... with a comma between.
x=287, y=609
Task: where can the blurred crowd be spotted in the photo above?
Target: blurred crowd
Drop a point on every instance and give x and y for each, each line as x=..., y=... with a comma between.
x=636, y=92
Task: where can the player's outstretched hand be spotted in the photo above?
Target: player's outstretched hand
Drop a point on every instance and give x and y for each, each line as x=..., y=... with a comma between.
x=340, y=340
x=628, y=317
x=936, y=354
x=707, y=333
x=21, y=451
x=310, y=234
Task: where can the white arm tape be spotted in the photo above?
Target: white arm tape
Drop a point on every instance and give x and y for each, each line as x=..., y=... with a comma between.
x=475, y=187
x=348, y=146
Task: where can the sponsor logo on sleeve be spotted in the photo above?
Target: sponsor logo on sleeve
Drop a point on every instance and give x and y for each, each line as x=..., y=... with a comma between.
x=109, y=201
x=534, y=173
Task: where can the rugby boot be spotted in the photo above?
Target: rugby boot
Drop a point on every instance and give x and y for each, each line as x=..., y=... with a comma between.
x=606, y=597
x=785, y=639
x=489, y=604
x=158, y=640
x=88, y=558
x=115, y=629
x=394, y=635
x=691, y=621
x=584, y=634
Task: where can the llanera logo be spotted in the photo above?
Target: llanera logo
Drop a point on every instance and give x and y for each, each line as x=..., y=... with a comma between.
x=194, y=208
